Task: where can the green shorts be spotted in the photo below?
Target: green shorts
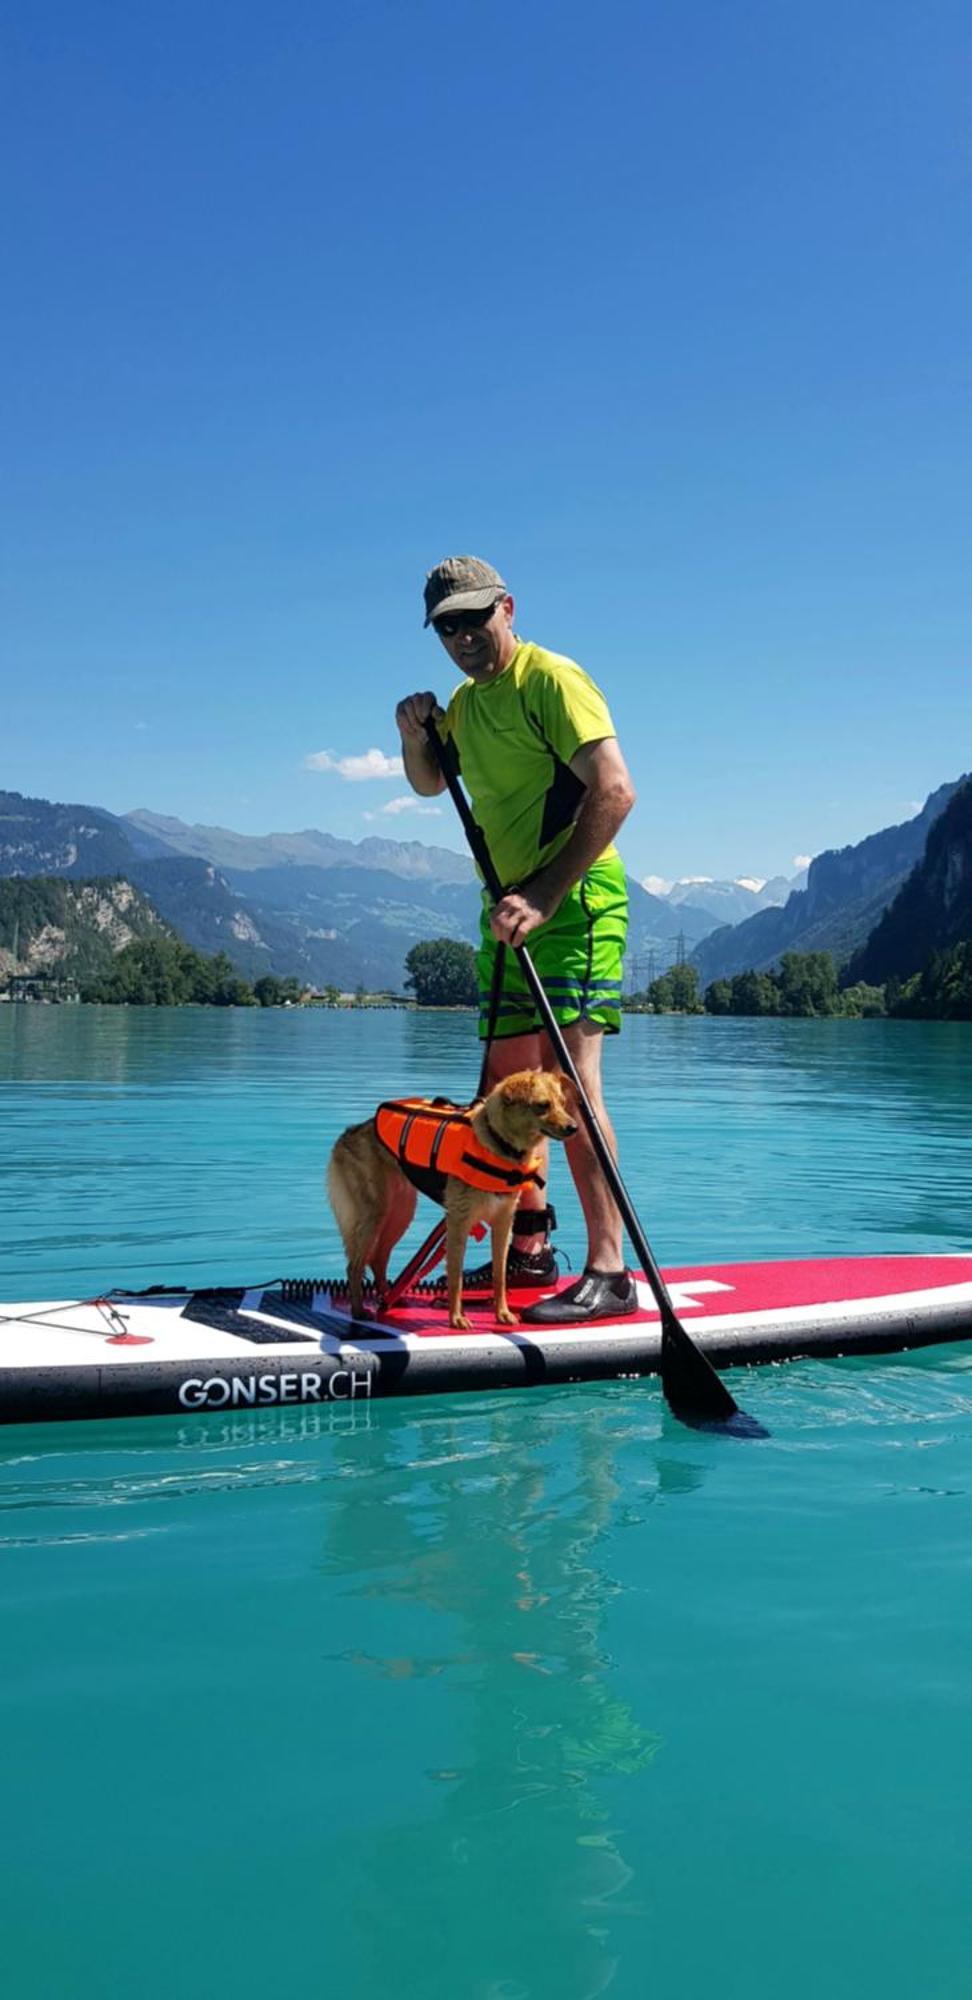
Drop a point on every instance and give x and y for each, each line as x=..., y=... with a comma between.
x=578, y=955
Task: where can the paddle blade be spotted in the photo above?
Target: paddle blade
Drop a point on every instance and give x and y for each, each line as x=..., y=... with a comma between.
x=692, y=1389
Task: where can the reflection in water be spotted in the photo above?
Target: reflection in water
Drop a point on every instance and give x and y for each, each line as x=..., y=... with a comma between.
x=461, y=1775
x=509, y=1552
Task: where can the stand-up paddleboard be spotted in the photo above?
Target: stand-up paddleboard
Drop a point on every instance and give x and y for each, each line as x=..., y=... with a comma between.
x=151, y=1353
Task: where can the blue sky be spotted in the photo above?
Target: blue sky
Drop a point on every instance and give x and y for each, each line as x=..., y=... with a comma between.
x=663, y=308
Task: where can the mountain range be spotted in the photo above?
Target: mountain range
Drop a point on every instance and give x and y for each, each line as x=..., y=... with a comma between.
x=727, y=902
x=155, y=833
x=344, y=913
x=330, y=911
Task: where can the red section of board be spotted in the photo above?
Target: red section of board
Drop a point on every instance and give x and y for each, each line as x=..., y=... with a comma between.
x=741, y=1288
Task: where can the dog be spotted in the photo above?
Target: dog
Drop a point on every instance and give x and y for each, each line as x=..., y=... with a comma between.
x=374, y=1200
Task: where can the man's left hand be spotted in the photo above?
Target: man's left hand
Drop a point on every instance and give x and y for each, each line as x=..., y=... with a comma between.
x=517, y=914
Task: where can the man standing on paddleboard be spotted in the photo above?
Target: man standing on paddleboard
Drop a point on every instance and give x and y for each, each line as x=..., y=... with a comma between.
x=549, y=786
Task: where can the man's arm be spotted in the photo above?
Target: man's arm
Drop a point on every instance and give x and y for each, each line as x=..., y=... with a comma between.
x=608, y=800
x=421, y=769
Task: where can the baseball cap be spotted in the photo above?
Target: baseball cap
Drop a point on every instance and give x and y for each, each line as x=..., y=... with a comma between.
x=461, y=583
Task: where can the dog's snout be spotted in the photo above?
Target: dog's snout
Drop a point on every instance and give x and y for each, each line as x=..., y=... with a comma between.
x=560, y=1128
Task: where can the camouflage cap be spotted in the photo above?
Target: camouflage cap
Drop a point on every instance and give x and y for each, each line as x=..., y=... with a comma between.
x=461, y=583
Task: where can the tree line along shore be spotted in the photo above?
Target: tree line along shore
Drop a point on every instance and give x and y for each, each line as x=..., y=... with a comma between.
x=163, y=971
x=807, y=984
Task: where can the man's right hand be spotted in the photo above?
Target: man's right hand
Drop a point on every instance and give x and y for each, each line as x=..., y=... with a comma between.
x=421, y=767
x=413, y=713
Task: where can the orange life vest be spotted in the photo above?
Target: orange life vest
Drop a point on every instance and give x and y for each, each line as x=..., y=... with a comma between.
x=433, y=1139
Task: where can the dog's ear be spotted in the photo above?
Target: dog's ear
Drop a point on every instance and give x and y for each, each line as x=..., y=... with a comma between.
x=569, y=1090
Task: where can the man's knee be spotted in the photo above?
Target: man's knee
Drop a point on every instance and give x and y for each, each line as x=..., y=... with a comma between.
x=585, y=1040
x=514, y=1053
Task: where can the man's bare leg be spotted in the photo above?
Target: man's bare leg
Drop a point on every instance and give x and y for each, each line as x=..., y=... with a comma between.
x=506, y=1058
x=585, y=1040
x=606, y=1290
x=605, y=1242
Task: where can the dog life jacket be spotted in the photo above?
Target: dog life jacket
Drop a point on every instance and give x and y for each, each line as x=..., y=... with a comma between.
x=433, y=1139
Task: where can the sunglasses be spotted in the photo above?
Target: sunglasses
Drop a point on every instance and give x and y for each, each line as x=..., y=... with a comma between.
x=465, y=621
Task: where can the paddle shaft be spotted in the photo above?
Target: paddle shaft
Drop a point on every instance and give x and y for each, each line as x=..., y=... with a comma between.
x=677, y=1344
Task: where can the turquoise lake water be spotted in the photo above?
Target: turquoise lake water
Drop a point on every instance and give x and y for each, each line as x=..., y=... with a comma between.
x=504, y=1696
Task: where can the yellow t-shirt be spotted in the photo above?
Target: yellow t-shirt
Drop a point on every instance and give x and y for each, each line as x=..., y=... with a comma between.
x=515, y=737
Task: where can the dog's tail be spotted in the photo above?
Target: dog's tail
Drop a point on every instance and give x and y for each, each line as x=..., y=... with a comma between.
x=341, y=1194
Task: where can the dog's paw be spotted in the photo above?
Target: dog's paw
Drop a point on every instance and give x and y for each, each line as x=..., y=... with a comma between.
x=507, y=1318
x=460, y=1323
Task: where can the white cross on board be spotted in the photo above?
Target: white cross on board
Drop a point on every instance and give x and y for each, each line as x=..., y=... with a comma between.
x=683, y=1293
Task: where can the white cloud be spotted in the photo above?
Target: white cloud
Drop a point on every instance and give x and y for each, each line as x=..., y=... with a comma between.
x=369, y=764
x=656, y=885
x=802, y=860
x=407, y=803
x=753, y=882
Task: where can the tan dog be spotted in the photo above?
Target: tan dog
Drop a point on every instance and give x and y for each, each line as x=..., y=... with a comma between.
x=374, y=1202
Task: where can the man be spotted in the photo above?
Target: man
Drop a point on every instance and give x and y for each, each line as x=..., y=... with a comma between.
x=549, y=787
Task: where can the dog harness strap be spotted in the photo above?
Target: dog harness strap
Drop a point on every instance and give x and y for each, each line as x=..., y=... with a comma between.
x=441, y=1130
x=405, y=1136
x=508, y=1177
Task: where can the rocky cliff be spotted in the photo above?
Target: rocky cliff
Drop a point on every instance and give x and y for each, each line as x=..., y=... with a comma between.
x=73, y=928
x=848, y=889
x=933, y=909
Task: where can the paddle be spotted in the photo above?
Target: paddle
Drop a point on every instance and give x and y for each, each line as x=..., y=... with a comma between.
x=692, y=1389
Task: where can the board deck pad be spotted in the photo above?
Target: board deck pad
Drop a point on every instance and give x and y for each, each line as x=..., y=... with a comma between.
x=713, y=1291
x=293, y=1341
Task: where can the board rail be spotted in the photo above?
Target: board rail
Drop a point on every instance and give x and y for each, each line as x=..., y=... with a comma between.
x=176, y=1350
